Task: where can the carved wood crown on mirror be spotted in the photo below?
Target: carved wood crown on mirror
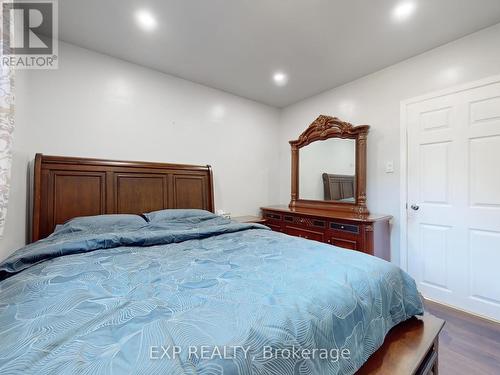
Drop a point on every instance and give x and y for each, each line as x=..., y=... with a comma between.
x=341, y=223
x=68, y=187
x=323, y=128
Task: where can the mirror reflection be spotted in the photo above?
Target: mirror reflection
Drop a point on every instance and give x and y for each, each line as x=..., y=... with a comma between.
x=327, y=170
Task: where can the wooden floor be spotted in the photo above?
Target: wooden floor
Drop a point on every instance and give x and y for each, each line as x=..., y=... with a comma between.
x=468, y=345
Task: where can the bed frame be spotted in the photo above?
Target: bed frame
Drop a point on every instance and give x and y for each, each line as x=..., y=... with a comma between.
x=410, y=348
x=68, y=187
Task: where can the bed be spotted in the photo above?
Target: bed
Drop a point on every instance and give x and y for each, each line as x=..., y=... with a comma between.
x=180, y=290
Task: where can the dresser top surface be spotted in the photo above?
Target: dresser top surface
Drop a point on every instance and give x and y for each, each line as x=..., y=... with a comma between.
x=328, y=214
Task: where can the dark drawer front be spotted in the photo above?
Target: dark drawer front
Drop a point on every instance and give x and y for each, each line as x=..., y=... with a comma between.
x=304, y=233
x=273, y=221
x=272, y=216
x=345, y=227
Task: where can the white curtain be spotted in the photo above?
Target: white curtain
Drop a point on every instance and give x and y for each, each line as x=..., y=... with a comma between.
x=6, y=130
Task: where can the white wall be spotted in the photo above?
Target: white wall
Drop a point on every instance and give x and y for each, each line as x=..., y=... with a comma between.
x=98, y=106
x=375, y=100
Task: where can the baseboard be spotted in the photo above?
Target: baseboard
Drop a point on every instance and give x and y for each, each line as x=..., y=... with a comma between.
x=474, y=315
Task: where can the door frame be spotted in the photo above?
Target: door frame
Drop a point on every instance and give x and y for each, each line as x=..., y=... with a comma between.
x=403, y=147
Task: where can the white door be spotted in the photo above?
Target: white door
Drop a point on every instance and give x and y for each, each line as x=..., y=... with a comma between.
x=453, y=213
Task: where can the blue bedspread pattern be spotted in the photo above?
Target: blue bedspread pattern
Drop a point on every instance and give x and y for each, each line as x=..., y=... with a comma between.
x=100, y=302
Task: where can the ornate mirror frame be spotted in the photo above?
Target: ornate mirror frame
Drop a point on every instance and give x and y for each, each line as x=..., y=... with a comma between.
x=325, y=127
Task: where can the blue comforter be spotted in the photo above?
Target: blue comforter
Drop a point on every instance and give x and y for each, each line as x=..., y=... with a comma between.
x=195, y=296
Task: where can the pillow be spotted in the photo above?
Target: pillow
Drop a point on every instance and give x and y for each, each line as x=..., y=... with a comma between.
x=176, y=214
x=102, y=223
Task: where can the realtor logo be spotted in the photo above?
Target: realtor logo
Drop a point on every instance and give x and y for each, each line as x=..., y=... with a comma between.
x=29, y=34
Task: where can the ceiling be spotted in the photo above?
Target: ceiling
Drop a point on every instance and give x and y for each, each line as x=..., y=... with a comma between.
x=237, y=45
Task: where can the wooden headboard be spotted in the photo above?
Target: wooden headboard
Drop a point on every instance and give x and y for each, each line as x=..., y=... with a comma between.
x=67, y=187
x=338, y=187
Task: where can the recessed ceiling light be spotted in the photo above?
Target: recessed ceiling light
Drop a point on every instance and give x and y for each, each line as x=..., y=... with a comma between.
x=280, y=78
x=403, y=10
x=146, y=20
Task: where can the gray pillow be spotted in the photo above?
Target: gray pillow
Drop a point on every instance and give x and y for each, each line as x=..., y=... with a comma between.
x=177, y=214
x=102, y=223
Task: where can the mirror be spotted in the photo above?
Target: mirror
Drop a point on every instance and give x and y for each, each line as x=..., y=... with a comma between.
x=329, y=167
x=327, y=170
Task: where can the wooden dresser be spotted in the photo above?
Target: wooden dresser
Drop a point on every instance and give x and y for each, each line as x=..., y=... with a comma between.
x=369, y=234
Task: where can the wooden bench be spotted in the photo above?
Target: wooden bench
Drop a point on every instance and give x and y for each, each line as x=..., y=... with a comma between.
x=409, y=348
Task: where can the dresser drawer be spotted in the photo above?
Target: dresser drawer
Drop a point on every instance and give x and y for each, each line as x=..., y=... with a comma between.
x=370, y=235
x=305, y=221
x=347, y=236
x=272, y=216
x=350, y=228
x=273, y=221
x=274, y=227
x=344, y=243
x=304, y=233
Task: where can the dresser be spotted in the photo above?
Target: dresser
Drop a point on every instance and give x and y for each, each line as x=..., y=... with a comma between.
x=368, y=233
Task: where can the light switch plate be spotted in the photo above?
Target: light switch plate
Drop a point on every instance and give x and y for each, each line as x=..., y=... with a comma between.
x=389, y=167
